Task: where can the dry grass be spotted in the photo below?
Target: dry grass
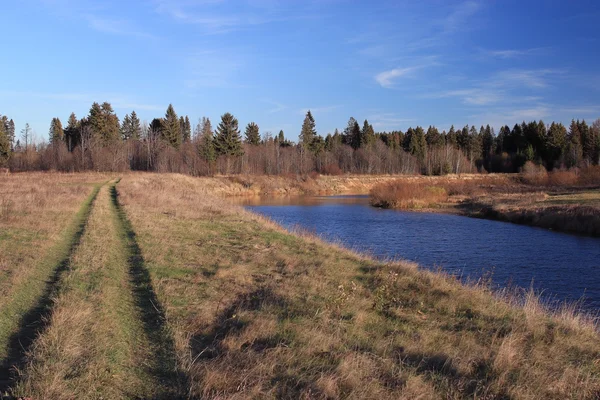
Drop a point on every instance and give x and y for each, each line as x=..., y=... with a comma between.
x=258, y=312
x=187, y=295
x=96, y=345
x=559, y=200
x=39, y=216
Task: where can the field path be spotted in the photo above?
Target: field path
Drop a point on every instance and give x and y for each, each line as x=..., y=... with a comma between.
x=106, y=334
x=25, y=314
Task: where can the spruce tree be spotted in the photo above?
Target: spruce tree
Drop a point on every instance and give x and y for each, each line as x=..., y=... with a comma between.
x=136, y=127
x=5, y=145
x=56, y=133
x=418, y=146
x=367, y=135
x=228, y=141
x=206, y=148
x=104, y=123
x=126, y=128
x=556, y=143
x=186, y=131
x=171, y=129
x=252, y=134
x=308, y=132
x=72, y=132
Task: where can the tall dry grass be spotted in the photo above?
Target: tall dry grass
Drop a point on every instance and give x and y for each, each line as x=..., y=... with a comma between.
x=258, y=312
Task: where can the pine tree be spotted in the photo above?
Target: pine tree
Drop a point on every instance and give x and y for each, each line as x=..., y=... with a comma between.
x=228, y=141
x=432, y=137
x=367, y=135
x=56, y=133
x=308, y=132
x=126, y=128
x=556, y=143
x=171, y=129
x=104, y=123
x=206, y=146
x=187, y=130
x=72, y=132
x=574, y=150
x=418, y=146
x=352, y=134
x=5, y=145
x=136, y=127
x=452, y=137
x=252, y=134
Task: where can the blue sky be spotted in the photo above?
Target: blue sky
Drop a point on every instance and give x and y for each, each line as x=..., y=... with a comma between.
x=397, y=63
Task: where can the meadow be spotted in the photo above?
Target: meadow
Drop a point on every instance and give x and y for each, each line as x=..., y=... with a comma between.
x=143, y=285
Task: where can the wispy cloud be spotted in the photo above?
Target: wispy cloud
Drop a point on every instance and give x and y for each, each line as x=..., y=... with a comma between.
x=213, y=17
x=456, y=20
x=387, y=78
x=514, y=53
x=116, y=27
x=388, y=120
x=276, y=106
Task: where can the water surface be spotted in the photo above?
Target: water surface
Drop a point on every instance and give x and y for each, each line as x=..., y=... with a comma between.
x=562, y=266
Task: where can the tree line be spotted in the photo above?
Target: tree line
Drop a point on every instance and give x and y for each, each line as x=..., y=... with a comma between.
x=99, y=141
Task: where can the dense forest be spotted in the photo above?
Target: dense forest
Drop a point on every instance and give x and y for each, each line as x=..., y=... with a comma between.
x=101, y=142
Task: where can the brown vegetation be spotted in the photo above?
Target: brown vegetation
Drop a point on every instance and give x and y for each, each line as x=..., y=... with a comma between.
x=243, y=309
x=563, y=200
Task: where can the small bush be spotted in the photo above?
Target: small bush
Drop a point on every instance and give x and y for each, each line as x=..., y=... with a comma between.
x=314, y=175
x=562, y=178
x=407, y=195
x=533, y=174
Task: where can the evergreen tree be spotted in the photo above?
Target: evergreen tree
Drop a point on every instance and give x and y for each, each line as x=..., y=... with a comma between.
x=56, y=133
x=135, y=127
x=574, y=150
x=104, y=123
x=171, y=129
x=187, y=130
x=452, y=137
x=252, y=134
x=367, y=135
x=556, y=143
x=418, y=146
x=352, y=134
x=72, y=132
x=308, y=132
x=433, y=138
x=126, y=127
x=206, y=145
x=228, y=141
x=5, y=146
x=487, y=143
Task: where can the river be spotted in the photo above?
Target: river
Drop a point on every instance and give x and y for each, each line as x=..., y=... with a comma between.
x=562, y=267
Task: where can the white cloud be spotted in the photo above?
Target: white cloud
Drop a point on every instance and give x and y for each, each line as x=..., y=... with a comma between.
x=386, y=78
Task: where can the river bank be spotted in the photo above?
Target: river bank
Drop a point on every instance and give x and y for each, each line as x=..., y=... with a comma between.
x=508, y=198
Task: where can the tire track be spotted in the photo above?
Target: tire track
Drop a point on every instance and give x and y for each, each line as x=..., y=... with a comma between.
x=35, y=320
x=164, y=367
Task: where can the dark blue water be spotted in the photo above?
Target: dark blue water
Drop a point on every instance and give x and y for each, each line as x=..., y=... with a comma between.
x=563, y=267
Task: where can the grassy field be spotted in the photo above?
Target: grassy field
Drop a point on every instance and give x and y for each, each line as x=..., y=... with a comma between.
x=169, y=292
x=564, y=205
